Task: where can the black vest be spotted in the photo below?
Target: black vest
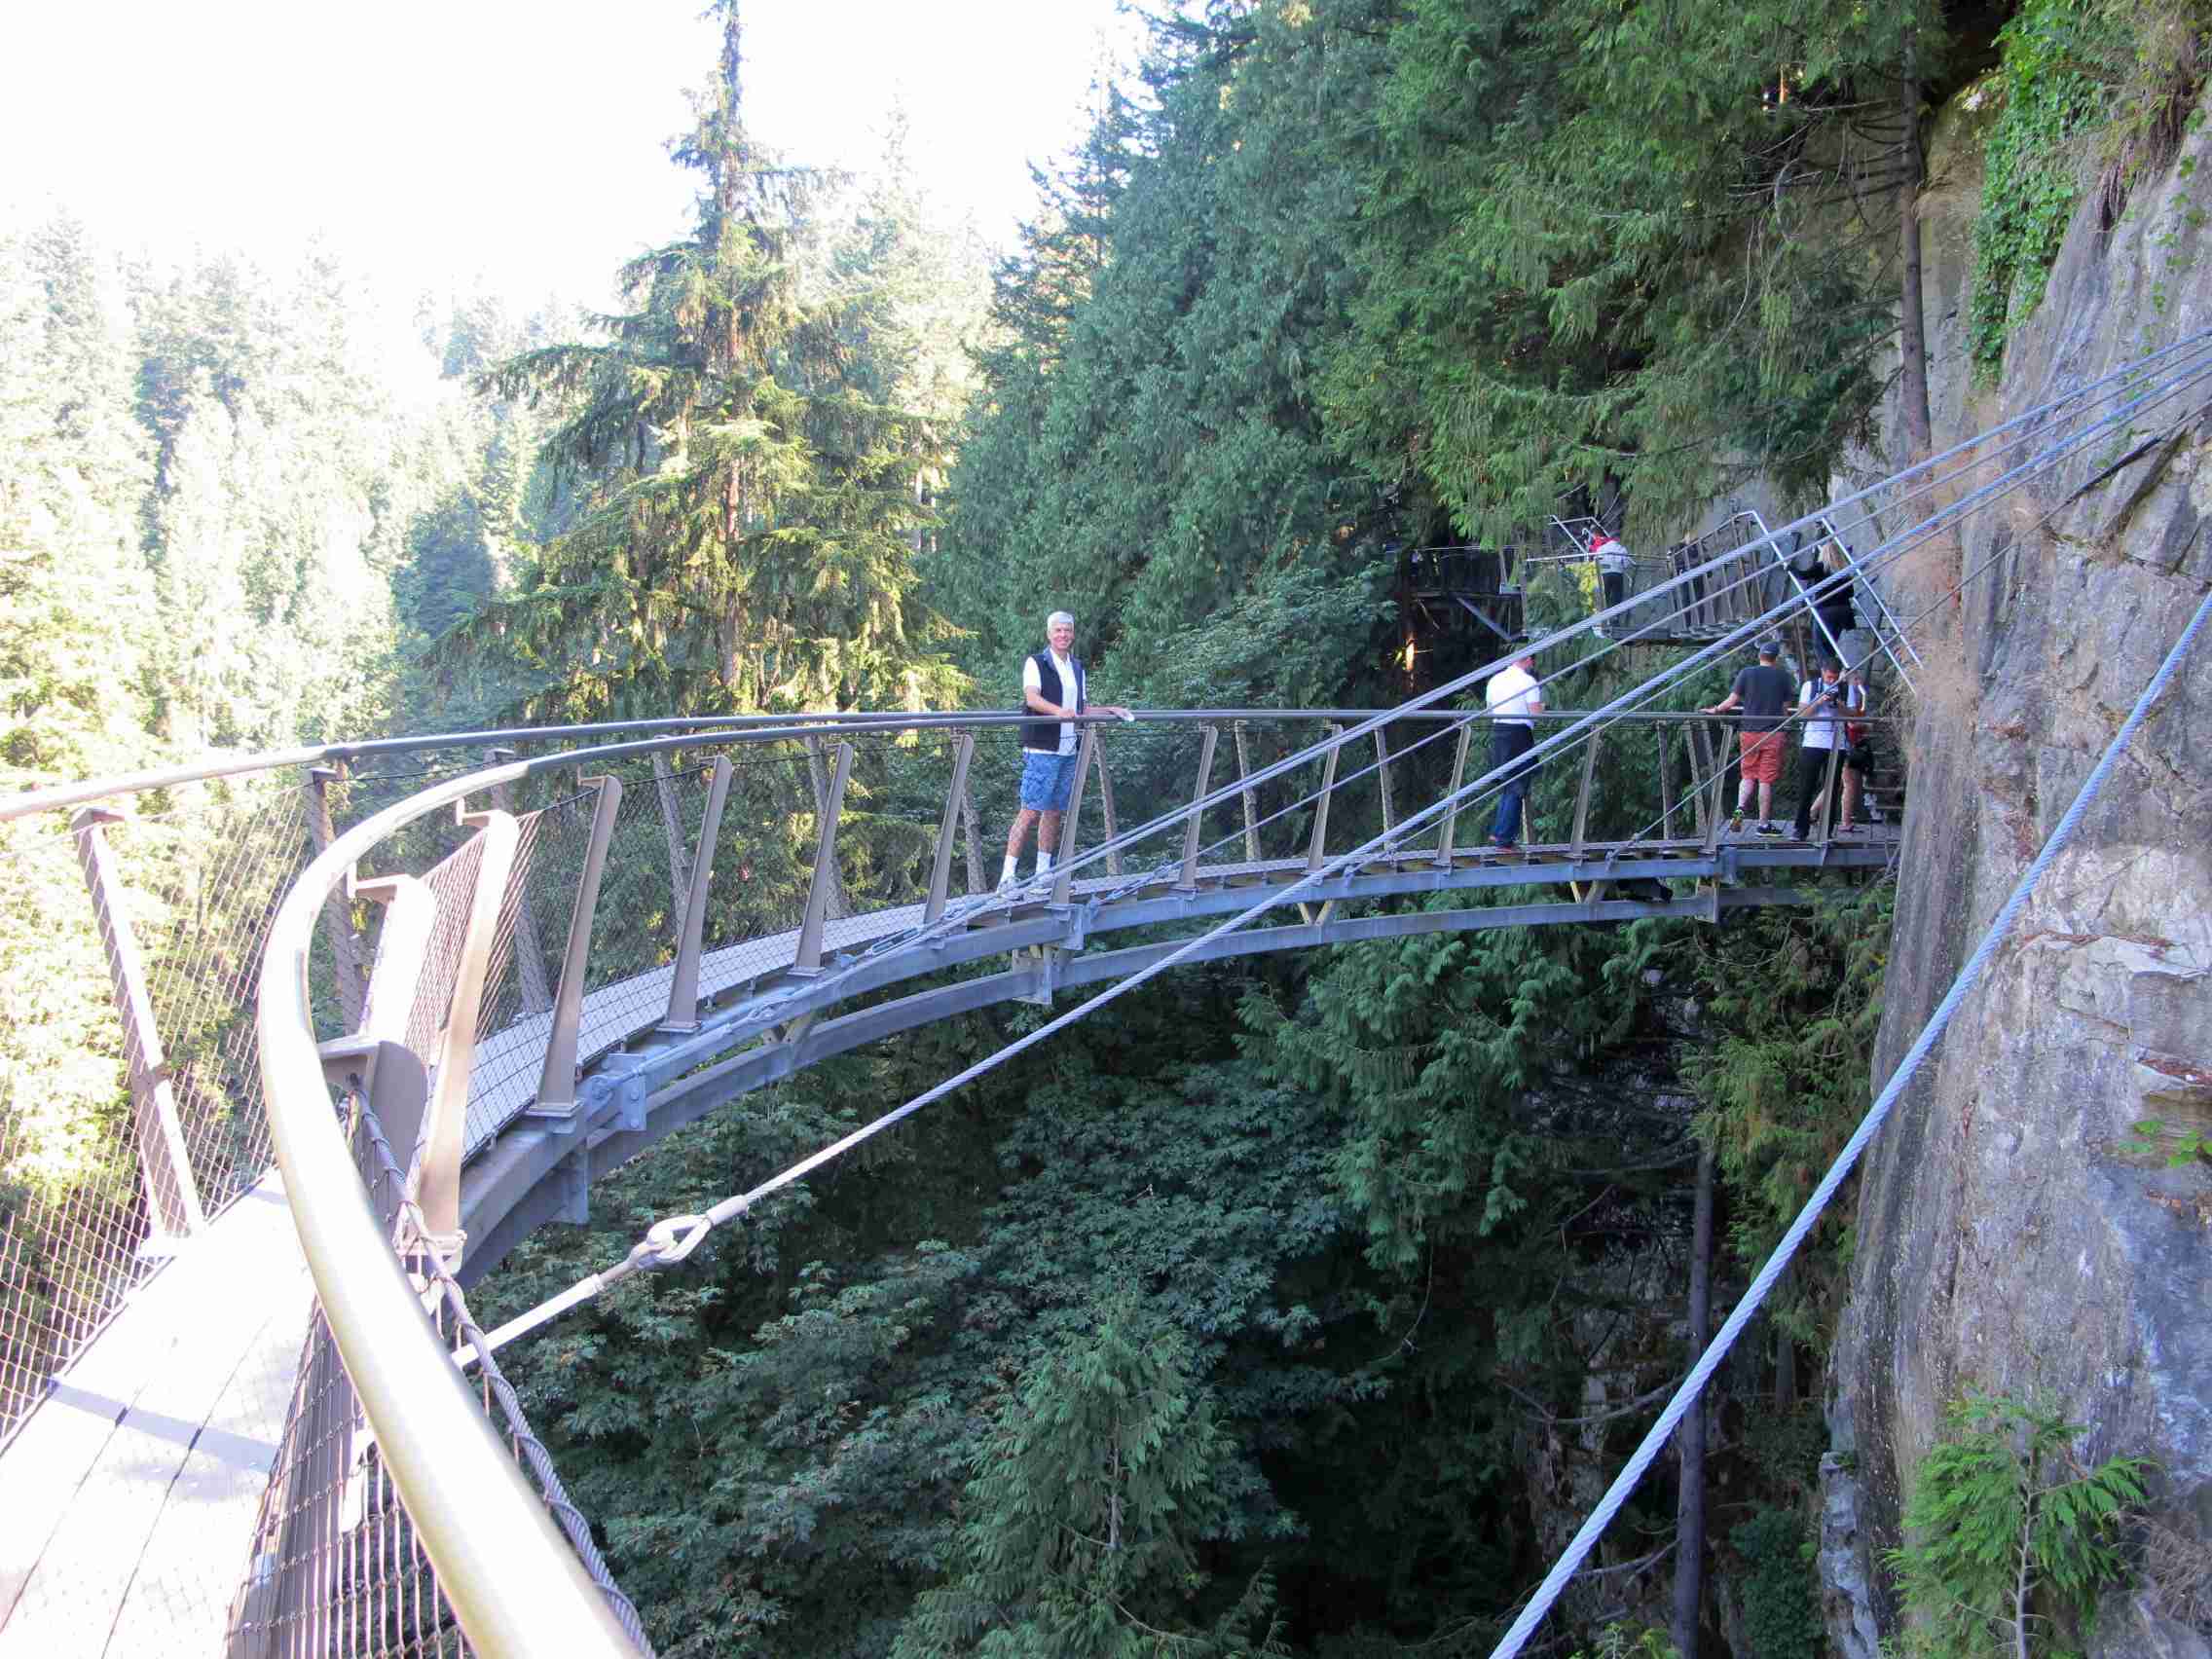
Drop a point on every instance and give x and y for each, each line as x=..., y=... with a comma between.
x=1044, y=736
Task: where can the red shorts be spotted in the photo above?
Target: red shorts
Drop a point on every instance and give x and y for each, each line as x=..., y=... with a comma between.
x=1761, y=755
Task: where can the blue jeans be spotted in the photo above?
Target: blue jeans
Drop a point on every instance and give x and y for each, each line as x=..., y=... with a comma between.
x=1508, y=742
x=1046, y=781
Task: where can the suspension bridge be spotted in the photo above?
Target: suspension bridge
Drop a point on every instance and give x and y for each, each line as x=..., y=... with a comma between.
x=370, y=1060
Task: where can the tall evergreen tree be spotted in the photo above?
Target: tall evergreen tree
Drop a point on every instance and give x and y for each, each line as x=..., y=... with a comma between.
x=750, y=544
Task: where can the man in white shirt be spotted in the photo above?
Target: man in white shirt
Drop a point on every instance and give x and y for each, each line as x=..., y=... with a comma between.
x=1822, y=705
x=1614, y=562
x=1514, y=700
x=1052, y=684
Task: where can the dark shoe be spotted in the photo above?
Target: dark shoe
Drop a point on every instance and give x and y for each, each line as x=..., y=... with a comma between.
x=1766, y=829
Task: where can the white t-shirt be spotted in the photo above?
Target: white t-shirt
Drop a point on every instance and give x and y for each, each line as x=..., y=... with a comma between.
x=1826, y=730
x=1512, y=690
x=1032, y=681
x=1613, y=558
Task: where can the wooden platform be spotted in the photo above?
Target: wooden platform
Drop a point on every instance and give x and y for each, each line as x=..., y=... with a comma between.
x=131, y=1492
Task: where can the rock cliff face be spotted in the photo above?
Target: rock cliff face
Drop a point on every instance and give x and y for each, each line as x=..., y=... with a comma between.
x=2007, y=1242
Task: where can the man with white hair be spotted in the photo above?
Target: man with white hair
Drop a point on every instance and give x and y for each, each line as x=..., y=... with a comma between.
x=1052, y=684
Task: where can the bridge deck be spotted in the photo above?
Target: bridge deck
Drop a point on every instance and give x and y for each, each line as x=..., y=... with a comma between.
x=133, y=1489
x=506, y=1062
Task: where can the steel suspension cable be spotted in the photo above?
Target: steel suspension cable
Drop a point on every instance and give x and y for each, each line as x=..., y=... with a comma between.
x=1930, y=1034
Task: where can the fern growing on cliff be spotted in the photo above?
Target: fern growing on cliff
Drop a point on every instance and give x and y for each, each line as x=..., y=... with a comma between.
x=2011, y=1538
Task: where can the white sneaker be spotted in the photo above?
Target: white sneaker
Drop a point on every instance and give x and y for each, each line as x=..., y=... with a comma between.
x=1008, y=883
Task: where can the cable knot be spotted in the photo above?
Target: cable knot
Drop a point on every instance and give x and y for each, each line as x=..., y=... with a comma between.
x=668, y=1243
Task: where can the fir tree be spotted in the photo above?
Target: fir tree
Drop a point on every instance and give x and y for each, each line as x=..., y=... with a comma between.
x=754, y=496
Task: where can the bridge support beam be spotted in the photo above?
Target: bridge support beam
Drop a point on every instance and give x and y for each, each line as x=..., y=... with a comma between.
x=1106, y=802
x=1251, y=801
x=1382, y=779
x=557, y=1081
x=165, y=1169
x=1063, y=874
x=823, y=890
x=1582, y=794
x=445, y=1128
x=1828, y=804
x=955, y=797
x=1209, y=735
x=1458, y=779
x=692, y=893
x=1317, y=847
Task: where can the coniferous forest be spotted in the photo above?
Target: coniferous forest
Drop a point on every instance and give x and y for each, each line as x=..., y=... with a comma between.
x=1302, y=1305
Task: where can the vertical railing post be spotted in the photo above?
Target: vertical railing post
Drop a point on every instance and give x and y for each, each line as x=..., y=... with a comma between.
x=672, y=826
x=1209, y=734
x=1250, y=800
x=557, y=1081
x=529, y=951
x=1451, y=794
x=827, y=810
x=172, y=1196
x=1106, y=800
x=1829, y=802
x=940, y=866
x=1710, y=806
x=347, y=973
x=1696, y=756
x=445, y=1130
x=403, y=945
x=822, y=890
x=1316, y=844
x=1582, y=794
x=972, y=833
x=1063, y=873
x=684, y=984
x=1382, y=779
x=1666, y=731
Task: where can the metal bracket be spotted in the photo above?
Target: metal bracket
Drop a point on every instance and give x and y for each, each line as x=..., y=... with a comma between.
x=572, y=1181
x=1045, y=960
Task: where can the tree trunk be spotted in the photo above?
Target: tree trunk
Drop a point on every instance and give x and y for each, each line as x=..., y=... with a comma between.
x=1689, y=1438
x=1912, y=328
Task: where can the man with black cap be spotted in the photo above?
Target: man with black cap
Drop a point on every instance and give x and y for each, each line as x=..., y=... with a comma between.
x=1763, y=694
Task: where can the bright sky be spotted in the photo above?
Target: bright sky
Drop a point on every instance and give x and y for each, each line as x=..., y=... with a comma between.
x=520, y=141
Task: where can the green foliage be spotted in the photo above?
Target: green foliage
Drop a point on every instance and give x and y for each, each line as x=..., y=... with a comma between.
x=2011, y=1538
x=2180, y=1146
x=1087, y=1502
x=2052, y=80
x=1622, y=1642
x=757, y=439
x=1791, y=1003
x=1781, y=1611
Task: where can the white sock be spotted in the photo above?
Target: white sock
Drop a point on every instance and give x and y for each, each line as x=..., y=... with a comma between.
x=1007, y=874
x=1044, y=861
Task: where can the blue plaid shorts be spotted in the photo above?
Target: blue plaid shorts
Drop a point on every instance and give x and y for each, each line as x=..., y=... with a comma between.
x=1046, y=781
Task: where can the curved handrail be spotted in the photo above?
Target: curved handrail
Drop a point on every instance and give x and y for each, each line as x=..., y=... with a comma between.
x=484, y=1532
